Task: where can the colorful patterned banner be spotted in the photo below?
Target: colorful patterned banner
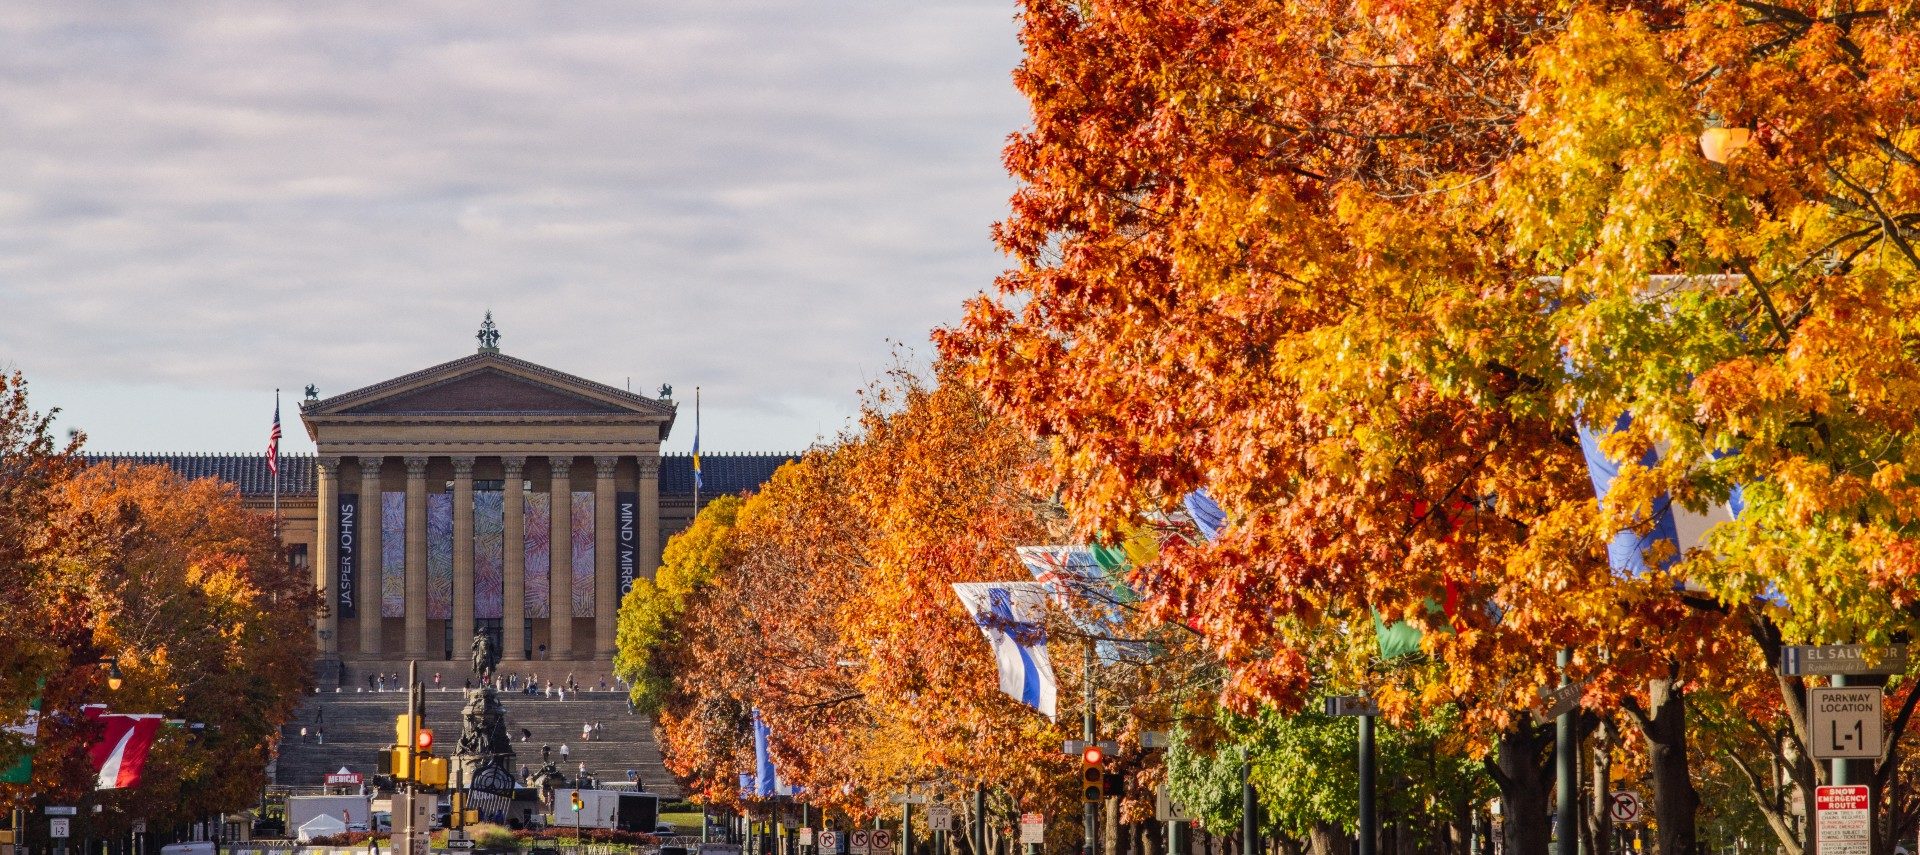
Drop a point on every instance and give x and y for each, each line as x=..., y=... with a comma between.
x=583, y=554
x=440, y=556
x=489, y=554
x=393, y=554
x=539, y=532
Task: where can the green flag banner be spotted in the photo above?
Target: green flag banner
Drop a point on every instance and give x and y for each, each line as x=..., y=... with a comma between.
x=28, y=727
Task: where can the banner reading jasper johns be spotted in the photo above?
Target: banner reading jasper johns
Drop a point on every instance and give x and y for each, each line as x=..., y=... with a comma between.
x=626, y=551
x=349, y=522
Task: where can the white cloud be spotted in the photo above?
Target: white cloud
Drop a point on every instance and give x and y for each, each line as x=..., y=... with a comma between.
x=205, y=201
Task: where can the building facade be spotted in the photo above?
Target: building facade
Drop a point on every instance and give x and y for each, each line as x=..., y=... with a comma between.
x=487, y=495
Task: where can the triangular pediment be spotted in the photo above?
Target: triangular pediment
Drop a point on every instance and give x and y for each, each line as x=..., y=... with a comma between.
x=488, y=383
x=484, y=391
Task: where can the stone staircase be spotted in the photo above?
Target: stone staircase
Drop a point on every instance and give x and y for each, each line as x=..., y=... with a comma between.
x=358, y=724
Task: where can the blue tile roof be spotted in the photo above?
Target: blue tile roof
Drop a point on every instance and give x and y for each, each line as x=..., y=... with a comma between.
x=247, y=471
x=721, y=473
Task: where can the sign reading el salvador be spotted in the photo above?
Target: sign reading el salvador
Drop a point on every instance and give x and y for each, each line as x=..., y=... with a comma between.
x=348, y=550
x=626, y=539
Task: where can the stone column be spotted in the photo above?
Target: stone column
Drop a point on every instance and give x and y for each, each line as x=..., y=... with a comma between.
x=649, y=500
x=370, y=556
x=462, y=553
x=417, y=558
x=326, y=471
x=606, y=597
x=513, y=602
x=560, y=563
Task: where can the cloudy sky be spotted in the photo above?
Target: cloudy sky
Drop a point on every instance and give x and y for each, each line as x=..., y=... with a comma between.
x=200, y=202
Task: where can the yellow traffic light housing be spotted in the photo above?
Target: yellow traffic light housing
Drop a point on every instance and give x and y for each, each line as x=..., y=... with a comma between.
x=574, y=799
x=1093, y=779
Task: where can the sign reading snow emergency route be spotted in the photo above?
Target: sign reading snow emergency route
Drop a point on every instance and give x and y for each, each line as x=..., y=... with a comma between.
x=1841, y=820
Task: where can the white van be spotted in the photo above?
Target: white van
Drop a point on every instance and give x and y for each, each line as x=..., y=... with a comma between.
x=201, y=848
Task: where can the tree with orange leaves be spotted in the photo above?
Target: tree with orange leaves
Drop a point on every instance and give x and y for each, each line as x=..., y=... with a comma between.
x=188, y=593
x=1336, y=262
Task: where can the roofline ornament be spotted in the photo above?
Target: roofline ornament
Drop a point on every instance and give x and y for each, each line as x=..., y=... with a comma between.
x=489, y=335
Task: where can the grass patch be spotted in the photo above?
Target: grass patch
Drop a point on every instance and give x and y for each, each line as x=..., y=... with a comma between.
x=688, y=823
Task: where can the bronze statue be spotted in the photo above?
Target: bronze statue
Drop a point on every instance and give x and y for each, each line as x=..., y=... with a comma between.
x=485, y=655
x=485, y=751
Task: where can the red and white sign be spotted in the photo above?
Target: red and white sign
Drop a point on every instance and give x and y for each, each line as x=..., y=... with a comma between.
x=125, y=740
x=343, y=777
x=882, y=841
x=1625, y=806
x=1033, y=828
x=857, y=842
x=1842, y=820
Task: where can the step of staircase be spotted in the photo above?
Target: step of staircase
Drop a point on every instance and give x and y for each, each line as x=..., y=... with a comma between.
x=350, y=728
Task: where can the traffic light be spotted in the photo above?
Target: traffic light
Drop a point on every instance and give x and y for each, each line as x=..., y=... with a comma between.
x=574, y=799
x=431, y=771
x=1093, y=779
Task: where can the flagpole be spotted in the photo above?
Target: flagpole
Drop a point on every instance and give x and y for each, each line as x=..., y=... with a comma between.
x=276, y=469
x=696, y=451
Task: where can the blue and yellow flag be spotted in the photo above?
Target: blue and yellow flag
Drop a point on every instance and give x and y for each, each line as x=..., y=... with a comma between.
x=696, y=441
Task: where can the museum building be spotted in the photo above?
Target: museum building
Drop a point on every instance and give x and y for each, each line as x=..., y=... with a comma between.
x=445, y=500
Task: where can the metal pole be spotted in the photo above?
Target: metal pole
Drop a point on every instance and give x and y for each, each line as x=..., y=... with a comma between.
x=1089, y=842
x=1249, y=810
x=1566, y=774
x=979, y=819
x=1841, y=776
x=1369, y=823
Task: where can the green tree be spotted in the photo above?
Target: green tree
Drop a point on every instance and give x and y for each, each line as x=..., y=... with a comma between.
x=650, y=613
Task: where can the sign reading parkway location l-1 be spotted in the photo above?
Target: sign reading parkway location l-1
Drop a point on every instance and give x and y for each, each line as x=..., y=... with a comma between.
x=1845, y=722
x=1801, y=660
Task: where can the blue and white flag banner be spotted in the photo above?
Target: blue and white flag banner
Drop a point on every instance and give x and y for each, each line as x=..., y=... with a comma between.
x=1012, y=617
x=1073, y=577
x=766, y=779
x=1206, y=514
x=1671, y=524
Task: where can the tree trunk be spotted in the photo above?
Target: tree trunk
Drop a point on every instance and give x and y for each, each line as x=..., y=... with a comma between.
x=1461, y=841
x=1525, y=780
x=1599, y=819
x=1328, y=839
x=1674, y=800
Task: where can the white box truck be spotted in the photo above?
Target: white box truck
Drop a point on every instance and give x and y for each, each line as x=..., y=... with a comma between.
x=606, y=809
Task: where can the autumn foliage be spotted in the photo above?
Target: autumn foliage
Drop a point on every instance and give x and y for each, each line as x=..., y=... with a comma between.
x=176, y=581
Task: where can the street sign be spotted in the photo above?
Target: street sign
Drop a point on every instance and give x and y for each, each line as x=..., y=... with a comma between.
x=1625, y=806
x=1558, y=701
x=940, y=818
x=1350, y=705
x=58, y=827
x=1166, y=808
x=1154, y=739
x=910, y=799
x=857, y=841
x=1845, y=722
x=882, y=841
x=1800, y=659
x=62, y=810
x=459, y=844
x=830, y=842
x=806, y=836
x=1842, y=818
x=139, y=826
x=1033, y=828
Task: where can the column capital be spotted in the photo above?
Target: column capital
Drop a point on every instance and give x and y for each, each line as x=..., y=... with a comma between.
x=513, y=465
x=603, y=466
x=416, y=465
x=463, y=466
x=327, y=463
x=560, y=466
x=649, y=466
x=370, y=464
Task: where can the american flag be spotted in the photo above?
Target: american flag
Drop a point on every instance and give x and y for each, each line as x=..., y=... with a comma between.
x=273, y=440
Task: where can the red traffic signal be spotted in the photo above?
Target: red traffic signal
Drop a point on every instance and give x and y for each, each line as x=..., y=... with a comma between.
x=424, y=741
x=1093, y=755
